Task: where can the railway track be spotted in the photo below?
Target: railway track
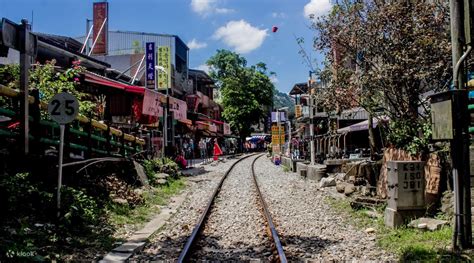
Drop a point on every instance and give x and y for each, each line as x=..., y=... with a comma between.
x=272, y=243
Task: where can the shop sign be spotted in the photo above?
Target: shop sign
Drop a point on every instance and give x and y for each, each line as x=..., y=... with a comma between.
x=100, y=14
x=150, y=64
x=179, y=109
x=227, y=129
x=164, y=60
x=298, y=111
x=152, y=103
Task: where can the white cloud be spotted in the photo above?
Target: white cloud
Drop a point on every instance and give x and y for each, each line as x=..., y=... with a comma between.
x=223, y=10
x=241, y=36
x=278, y=15
x=204, y=68
x=273, y=79
x=194, y=44
x=206, y=7
x=317, y=8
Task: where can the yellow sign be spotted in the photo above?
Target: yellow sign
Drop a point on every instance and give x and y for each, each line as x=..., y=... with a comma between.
x=275, y=139
x=164, y=61
x=298, y=110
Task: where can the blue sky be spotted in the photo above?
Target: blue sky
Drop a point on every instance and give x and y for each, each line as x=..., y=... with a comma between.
x=206, y=25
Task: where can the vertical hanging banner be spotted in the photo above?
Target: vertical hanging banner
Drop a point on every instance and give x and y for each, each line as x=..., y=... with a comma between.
x=100, y=14
x=150, y=64
x=164, y=61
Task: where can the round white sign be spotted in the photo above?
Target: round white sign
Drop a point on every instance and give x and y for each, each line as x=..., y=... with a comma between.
x=63, y=108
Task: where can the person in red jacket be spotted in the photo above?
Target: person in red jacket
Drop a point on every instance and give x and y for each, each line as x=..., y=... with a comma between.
x=217, y=150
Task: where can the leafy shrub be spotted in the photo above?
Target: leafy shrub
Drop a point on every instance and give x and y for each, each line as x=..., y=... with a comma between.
x=168, y=166
x=22, y=196
x=78, y=208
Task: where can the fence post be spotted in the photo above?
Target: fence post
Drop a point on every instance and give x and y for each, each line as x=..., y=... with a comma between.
x=107, y=137
x=35, y=128
x=89, y=138
x=123, y=144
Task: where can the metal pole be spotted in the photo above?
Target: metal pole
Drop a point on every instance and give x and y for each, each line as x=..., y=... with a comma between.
x=95, y=40
x=60, y=166
x=311, y=125
x=25, y=64
x=89, y=30
x=138, y=70
x=289, y=138
x=462, y=234
x=278, y=126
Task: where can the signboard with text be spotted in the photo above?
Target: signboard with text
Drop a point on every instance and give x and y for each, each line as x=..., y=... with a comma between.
x=101, y=13
x=164, y=61
x=298, y=111
x=281, y=119
x=150, y=64
x=227, y=129
x=152, y=103
x=179, y=109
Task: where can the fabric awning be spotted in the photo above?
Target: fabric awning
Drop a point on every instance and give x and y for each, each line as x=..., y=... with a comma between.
x=362, y=126
x=101, y=80
x=256, y=138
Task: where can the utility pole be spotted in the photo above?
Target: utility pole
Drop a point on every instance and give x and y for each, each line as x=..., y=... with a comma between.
x=462, y=236
x=311, y=117
x=25, y=64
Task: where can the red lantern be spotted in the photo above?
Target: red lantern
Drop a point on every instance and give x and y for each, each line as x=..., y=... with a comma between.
x=274, y=29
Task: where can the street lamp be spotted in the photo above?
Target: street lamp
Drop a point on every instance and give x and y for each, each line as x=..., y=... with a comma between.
x=278, y=124
x=166, y=111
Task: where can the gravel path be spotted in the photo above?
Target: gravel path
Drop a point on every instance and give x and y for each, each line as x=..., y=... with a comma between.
x=167, y=244
x=308, y=227
x=235, y=229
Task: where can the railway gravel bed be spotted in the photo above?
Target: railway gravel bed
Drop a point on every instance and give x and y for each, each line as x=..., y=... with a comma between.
x=168, y=242
x=235, y=229
x=308, y=227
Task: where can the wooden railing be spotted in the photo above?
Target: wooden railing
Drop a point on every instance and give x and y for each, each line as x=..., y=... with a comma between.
x=84, y=134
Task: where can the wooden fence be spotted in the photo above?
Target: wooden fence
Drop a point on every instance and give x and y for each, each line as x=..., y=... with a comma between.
x=84, y=136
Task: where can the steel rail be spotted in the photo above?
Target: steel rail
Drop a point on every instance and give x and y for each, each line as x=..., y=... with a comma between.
x=185, y=253
x=273, y=232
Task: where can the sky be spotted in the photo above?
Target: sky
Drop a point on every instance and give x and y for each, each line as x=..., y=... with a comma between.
x=243, y=26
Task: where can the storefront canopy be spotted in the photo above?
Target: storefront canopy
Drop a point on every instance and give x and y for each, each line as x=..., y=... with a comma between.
x=100, y=80
x=362, y=126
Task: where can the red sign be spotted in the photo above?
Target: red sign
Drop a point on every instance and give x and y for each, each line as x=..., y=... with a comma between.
x=101, y=12
x=152, y=103
x=179, y=108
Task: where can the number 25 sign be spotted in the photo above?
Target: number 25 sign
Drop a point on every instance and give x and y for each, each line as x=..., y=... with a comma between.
x=63, y=108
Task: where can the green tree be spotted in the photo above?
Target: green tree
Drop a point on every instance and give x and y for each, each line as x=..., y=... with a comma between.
x=50, y=81
x=247, y=92
x=392, y=52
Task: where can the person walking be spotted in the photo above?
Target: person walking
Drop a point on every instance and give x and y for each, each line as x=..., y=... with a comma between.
x=202, y=148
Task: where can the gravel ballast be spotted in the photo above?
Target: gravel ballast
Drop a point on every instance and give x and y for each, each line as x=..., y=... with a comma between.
x=168, y=242
x=308, y=226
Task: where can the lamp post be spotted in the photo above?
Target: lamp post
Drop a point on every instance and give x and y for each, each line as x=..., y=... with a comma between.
x=166, y=111
x=278, y=125
x=311, y=124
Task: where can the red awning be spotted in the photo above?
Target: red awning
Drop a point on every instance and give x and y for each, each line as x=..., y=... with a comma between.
x=97, y=79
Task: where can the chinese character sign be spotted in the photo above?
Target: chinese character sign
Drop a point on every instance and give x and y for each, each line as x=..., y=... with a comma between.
x=150, y=64
x=152, y=103
x=179, y=109
x=100, y=14
x=164, y=61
